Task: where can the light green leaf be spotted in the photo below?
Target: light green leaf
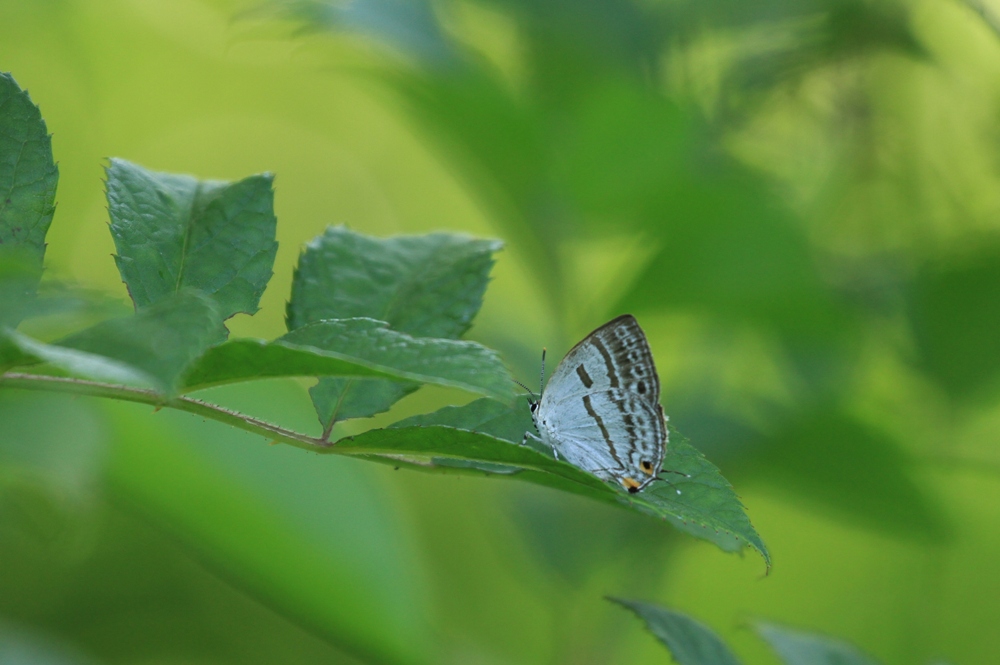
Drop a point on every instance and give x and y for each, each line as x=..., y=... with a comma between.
x=150, y=349
x=690, y=642
x=803, y=648
x=479, y=436
x=174, y=232
x=425, y=286
x=312, y=538
x=356, y=348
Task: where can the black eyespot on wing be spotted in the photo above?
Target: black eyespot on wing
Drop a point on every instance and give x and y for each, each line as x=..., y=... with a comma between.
x=633, y=489
x=647, y=465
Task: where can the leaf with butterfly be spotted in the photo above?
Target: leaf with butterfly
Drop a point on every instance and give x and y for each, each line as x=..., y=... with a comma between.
x=483, y=437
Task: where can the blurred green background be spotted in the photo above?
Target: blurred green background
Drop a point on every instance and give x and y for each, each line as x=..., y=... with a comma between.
x=799, y=200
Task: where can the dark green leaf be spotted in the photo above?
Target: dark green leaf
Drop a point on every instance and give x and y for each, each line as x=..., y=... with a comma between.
x=28, y=179
x=151, y=348
x=802, y=648
x=707, y=507
x=690, y=642
x=425, y=286
x=28, y=176
x=174, y=232
x=355, y=348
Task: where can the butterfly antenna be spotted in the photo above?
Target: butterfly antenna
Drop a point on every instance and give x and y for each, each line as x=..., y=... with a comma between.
x=526, y=388
x=541, y=380
x=679, y=473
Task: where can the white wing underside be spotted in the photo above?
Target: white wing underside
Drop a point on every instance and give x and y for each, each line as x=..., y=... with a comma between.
x=600, y=410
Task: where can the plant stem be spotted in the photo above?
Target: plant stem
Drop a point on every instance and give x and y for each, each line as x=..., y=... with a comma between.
x=152, y=398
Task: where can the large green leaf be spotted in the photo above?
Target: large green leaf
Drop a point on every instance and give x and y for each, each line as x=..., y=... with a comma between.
x=150, y=349
x=802, y=648
x=425, y=286
x=483, y=436
x=690, y=642
x=174, y=232
x=355, y=348
x=315, y=539
x=28, y=179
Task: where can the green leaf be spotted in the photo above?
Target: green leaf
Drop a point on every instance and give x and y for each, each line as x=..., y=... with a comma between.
x=150, y=349
x=802, y=648
x=174, y=232
x=479, y=436
x=425, y=286
x=485, y=416
x=28, y=176
x=355, y=348
x=690, y=642
x=28, y=179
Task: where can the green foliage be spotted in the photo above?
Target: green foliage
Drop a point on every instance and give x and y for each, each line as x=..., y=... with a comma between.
x=176, y=232
x=374, y=318
x=690, y=642
x=429, y=286
x=325, y=550
x=801, y=648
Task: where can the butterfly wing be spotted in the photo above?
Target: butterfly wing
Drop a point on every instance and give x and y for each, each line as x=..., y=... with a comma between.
x=616, y=356
x=614, y=434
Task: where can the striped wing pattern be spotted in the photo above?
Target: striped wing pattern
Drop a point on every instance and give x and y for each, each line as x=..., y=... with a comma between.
x=601, y=411
x=616, y=355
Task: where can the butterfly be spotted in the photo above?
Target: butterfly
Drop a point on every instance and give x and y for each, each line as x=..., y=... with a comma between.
x=601, y=409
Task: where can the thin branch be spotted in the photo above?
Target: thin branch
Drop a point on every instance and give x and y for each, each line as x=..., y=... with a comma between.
x=153, y=398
